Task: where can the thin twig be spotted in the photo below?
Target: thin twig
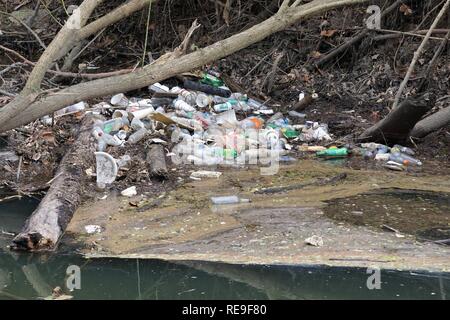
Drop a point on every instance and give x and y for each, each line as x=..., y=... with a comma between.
x=418, y=53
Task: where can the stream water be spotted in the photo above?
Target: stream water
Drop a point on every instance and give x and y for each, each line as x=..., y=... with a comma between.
x=27, y=276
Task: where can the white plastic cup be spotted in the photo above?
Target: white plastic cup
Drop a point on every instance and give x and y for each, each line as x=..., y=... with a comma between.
x=141, y=114
x=119, y=100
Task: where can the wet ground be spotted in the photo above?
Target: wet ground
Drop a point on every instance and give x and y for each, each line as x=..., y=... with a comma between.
x=184, y=225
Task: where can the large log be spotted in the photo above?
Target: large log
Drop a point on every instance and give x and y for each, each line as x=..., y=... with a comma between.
x=432, y=123
x=396, y=126
x=49, y=221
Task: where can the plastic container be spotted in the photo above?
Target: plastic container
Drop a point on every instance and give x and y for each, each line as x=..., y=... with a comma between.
x=78, y=107
x=188, y=96
x=182, y=105
x=119, y=100
x=228, y=200
x=405, y=150
x=105, y=139
x=333, y=152
x=158, y=87
x=188, y=84
x=211, y=80
x=224, y=107
x=252, y=103
x=115, y=124
x=404, y=159
x=106, y=169
x=184, y=114
x=252, y=123
x=202, y=100
x=137, y=136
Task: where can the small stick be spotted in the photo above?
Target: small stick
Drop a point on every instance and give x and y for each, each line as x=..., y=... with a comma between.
x=418, y=53
x=18, y=169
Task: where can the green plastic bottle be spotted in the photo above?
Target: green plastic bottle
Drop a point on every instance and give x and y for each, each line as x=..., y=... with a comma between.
x=211, y=80
x=333, y=152
x=289, y=133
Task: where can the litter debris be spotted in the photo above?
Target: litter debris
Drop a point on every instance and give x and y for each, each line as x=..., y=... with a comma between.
x=205, y=174
x=315, y=241
x=106, y=169
x=129, y=192
x=92, y=228
x=228, y=200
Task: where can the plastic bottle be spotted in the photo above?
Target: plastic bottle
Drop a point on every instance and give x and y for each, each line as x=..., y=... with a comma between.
x=184, y=114
x=157, y=87
x=297, y=114
x=252, y=123
x=223, y=106
x=208, y=89
x=188, y=96
x=137, y=136
x=275, y=117
x=105, y=139
x=203, y=100
x=80, y=106
x=406, y=150
x=404, y=159
x=211, y=80
x=182, y=105
x=252, y=103
x=279, y=123
x=228, y=200
x=115, y=124
x=333, y=152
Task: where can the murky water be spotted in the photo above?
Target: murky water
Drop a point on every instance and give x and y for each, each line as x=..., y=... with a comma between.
x=424, y=214
x=26, y=276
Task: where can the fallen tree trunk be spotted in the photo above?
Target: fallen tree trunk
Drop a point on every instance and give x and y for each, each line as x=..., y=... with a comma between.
x=432, y=123
x=49, y=221
x=35, y=106
x=397, y=125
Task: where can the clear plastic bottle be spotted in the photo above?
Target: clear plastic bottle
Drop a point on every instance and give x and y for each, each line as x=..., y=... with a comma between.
x=223, y=106
x=182, y=105
x=115, y=124
x=105, y=139
x=404, y=159
x=228, y=200
x=252, y=123
x=137, y=136
x=188, y=96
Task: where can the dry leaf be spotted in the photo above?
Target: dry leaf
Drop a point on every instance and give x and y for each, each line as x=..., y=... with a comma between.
x=405, y=10
x=316, y=54
x=328, y=33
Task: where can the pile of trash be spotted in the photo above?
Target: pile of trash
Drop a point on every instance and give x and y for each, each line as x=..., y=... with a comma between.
x=202, y=122
x=397, y=158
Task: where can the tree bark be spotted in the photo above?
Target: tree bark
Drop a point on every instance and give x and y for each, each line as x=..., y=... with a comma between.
x=395, y=128
x=432, y=123
x=49, y=221
x=166, y=68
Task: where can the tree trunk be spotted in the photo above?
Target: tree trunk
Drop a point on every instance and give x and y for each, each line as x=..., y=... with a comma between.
x=49, y=221
x=432, y=123
x=395, y=128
